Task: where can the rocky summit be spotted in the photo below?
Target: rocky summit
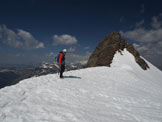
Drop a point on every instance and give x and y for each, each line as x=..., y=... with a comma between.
x=106, y=49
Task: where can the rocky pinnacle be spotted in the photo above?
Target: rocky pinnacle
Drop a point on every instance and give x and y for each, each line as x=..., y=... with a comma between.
x=106, y=49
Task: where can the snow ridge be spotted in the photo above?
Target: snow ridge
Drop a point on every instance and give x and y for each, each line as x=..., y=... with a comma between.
x=122, y=93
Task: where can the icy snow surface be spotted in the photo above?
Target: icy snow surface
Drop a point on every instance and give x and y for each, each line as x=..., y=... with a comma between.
x=122, y=93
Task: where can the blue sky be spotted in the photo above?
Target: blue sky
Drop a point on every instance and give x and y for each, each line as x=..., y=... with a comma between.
x=32, y=31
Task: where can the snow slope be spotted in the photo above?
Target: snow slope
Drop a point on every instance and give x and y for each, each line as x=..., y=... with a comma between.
x=122, y=93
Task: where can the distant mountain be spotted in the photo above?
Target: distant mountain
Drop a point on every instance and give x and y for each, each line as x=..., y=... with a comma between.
x=11, y=76
x=47, y=68
x=8, y=75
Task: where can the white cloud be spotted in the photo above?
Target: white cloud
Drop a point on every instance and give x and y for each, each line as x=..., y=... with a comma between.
x=143, y=35
x=151, y=51
x=64, y=39
x=20, y=39
x=9, y=37
x=147, y=41
x=140, y=48
x=40, y=45
x=150, y=41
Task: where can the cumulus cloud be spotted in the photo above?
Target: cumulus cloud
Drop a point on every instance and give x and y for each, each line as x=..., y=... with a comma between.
x=140, y=48
x=40, y=45
x=19, y=39
x=147, y=41
x=64, y=39
x=143, y=35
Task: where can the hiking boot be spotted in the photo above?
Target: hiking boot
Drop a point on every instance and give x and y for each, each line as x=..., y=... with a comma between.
x=62, y=77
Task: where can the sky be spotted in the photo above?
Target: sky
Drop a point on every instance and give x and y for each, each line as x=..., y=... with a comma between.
x=34, y=31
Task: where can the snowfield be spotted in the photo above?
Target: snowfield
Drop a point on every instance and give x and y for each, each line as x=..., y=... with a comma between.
x=122, y=93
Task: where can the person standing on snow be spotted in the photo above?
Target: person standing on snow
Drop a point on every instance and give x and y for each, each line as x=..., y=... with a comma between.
x=62, y=62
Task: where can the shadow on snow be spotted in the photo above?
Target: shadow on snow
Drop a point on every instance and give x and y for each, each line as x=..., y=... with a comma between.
x=72, y=77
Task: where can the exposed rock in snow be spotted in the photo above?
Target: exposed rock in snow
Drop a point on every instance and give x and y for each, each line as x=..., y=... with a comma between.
x=106, y=49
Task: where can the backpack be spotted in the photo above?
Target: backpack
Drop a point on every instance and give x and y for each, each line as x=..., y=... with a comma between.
x=57, y=58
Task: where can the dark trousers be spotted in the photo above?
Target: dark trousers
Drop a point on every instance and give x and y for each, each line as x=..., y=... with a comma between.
x=62, y=70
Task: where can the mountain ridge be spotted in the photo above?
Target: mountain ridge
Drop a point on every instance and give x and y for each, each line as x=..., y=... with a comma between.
x=123, y=92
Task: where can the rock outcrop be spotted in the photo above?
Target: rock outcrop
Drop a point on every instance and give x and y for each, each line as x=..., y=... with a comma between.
x=106, y=49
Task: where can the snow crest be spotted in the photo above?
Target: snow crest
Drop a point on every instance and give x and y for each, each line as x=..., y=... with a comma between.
x=122, y=93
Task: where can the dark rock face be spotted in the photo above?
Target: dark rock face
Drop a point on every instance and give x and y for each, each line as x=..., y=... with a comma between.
x=104, y=52
x=137, y=57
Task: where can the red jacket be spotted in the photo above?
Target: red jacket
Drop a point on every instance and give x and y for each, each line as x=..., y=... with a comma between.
x=60, y=58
